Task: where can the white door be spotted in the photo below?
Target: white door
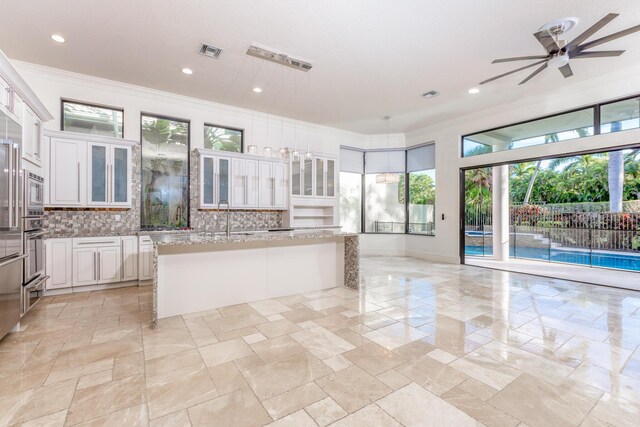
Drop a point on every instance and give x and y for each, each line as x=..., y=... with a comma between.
x=109, y=263
x=85, y=270
x=239, y=183
x=145, y=262
x=129, y=258
x=120, y=176
x=207, y=182
x=98, y=168
x=67, y=172
x=58, y=263
x=266, y=185
x=281, y=187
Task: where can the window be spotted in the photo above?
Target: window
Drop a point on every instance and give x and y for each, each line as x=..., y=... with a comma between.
x=93, y=119
x=561, y=127
x=386, y=207
x=422, y=189
x=384, y=210
x=223, y=139
x=351, y=170
x=620, y=115
x=165, y=172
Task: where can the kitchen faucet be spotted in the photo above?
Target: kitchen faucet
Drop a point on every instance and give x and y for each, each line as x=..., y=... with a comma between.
x=228, y=216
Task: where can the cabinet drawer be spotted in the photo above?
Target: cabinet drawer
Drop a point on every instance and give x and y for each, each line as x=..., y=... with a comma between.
x=95, y=242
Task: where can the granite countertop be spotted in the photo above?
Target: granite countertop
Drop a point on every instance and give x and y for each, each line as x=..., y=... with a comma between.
x=255, y=236
x=91, y=233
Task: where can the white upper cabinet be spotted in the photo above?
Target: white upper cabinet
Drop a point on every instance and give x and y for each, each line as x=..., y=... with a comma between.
x=247, y=182
x=215, y=176
x=88, y=171
x=109, y=175
x=31, y=136
x=67, y=186
x=313, y=177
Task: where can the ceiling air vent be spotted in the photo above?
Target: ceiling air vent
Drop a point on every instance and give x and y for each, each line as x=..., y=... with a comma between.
x=278, y=58
x=210, y=51
x=430, y=94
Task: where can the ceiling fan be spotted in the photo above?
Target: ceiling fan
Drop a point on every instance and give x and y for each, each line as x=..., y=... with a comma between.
x=559, y=52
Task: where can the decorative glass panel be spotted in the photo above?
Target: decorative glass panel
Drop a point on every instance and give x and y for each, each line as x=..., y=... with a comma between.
x=331, y=185
x=295, y=177
x=223, y=177
x=223, y=139
x=120, y=179
x=98, y=173
x=308, y=177
x=208, y=180
x=93, y=119
x=165, y=174
x=319, y=177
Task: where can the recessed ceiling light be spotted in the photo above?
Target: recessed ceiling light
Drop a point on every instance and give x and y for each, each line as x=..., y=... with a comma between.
x=187, y=71
x=57, y=38
x=257, y=89
x=474, y=90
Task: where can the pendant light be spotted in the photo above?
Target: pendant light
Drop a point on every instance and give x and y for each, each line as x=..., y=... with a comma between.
x=284, y=151
x=387, y=177
x=308, y=155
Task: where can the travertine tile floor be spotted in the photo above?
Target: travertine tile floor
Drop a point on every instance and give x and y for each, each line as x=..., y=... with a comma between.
x=420, y=344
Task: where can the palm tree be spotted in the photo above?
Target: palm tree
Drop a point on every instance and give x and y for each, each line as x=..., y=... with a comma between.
x=547, y=139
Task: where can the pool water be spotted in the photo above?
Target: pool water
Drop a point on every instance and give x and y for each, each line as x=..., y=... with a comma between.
x=595, y=259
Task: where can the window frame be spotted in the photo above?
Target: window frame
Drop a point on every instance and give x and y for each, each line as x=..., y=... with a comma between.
x=597, y=122
x=227, y=128
x=88, y=104
x=176, y=119
x=363, y=176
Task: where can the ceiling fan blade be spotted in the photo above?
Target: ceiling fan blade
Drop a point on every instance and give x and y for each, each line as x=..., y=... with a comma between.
x=519, y=58
x=546, y=40
x=597, y=54
x=566, y=70
x=532, y=75
x=512, y=71
x=590, y=31
x=609, y=38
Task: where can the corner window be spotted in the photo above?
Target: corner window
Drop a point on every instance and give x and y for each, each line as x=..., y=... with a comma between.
x=165, y=172
x=92, y=119
x=387, y=204
x=223, y=139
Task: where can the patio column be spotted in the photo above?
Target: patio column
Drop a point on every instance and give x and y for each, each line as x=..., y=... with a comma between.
x=500, y=213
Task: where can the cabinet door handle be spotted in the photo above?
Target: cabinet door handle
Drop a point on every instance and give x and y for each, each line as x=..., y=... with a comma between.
x=98, y=257
x=78, y=182
x=95, y=266
x=246, y=189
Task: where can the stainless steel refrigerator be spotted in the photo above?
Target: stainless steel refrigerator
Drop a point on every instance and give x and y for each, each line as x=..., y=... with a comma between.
x=10, y=223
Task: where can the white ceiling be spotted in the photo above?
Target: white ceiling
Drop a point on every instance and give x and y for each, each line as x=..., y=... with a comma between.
x=370, y=58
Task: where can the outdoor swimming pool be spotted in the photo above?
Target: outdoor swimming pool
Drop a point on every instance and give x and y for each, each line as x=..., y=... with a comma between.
x=604, y=259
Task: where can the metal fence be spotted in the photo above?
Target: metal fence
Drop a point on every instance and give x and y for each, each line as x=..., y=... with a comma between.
x=557, y=233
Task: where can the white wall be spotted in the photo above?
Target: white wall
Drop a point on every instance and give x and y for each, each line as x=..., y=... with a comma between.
x=51, y=84
x=444, y=246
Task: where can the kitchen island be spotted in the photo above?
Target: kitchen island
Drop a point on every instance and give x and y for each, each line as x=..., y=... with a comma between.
x=201, y=271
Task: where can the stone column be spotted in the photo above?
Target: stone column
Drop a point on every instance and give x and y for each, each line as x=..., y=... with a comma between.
x=500, y=213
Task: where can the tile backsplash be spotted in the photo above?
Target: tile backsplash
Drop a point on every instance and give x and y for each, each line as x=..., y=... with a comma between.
x=75, y=222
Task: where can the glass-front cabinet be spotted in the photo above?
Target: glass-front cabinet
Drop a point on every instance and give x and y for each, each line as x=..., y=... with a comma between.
x=109, y=173
x=315, y=176
x=215, y=176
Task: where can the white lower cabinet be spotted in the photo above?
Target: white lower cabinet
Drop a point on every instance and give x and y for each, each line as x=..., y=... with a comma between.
x=85, y=261
x=129, y=258
x=145, y=258
x=58, y=263
x=96, y=261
